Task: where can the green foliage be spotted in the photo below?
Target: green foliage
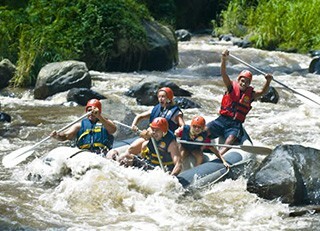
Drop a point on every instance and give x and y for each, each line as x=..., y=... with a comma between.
x=233, y=19
x=286, y=24
x=274, y=24
x=9, y=32
x=56, y=30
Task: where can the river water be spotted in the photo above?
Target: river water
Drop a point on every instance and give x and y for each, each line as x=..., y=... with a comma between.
x=109, y=197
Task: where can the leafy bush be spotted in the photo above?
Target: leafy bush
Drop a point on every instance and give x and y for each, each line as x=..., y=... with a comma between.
x=286, y=24
x=273, y=24
x=55, y=30
x=233, y=19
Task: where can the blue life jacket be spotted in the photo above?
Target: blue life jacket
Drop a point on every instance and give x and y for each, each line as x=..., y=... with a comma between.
x=167, y=113
x=94, y=136
x=165, y=155
x=186, y=136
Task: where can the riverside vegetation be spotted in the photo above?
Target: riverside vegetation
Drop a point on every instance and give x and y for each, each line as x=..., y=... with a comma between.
x=34, y=33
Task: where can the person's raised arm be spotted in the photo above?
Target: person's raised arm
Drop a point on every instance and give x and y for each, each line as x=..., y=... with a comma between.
x=265, y=88
x=225, y=76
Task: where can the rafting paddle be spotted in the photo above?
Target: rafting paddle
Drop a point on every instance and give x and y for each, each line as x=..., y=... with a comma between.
x=21, y=154
x=299, y=93
x=262, y=150
x=153, y=143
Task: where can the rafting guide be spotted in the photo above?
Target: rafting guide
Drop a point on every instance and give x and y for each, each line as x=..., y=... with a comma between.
x=235, y=105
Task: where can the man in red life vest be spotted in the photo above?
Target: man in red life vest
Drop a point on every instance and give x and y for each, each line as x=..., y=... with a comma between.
x=235, y=105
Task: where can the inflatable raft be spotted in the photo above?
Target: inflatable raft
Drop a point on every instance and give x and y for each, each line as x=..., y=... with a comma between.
x=211, y=171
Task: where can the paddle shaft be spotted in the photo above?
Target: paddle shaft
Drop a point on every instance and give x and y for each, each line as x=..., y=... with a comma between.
x=152, y=140
x=282, y=84
x=62, y=129
x=21, y=154
x=247, y=148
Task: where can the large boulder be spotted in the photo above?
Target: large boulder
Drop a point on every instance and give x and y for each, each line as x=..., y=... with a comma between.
x=314, y=66
x=291, y=174
x=183, y=35
x=113, y=109
x=61, y=76
x=146, y=92
x=160, y=53
x=82, y=95
x=4, y=117
x=272, y=96
x=7, y=70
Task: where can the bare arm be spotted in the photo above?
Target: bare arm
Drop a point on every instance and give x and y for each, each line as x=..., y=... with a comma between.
x=225, y=76
x=176, y=157
x=180, y=122
x=264, y=90
x=68, y=134
x=139, y=117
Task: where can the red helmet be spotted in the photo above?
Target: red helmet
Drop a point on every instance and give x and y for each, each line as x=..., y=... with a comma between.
x=94, y=103
x=160, y=123
x=198, y=121
x=246, y=74
x=168, y=92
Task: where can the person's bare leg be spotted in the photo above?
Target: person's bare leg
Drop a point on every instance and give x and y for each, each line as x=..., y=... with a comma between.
x=198, y=155
x=183, y=153
x=230, y=140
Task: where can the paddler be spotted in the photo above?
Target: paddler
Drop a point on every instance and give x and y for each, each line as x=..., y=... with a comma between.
x=93, y=133
x=166, y=108
x=195, y=132
x=166, y=146
x=235, y=105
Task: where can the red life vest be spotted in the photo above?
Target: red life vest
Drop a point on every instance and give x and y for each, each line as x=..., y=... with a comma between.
x=237, y=104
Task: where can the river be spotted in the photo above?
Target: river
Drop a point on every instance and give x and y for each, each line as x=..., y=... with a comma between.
x=109, y=197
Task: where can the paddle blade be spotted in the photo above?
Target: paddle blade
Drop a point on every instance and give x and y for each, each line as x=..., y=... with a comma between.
x=261, y=150
x=17, y=156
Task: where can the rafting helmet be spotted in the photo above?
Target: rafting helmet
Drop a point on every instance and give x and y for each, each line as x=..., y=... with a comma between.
x=168, y=92
x=246, y=74
x=93, y=103
x=160, y=123
x=198, y=121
